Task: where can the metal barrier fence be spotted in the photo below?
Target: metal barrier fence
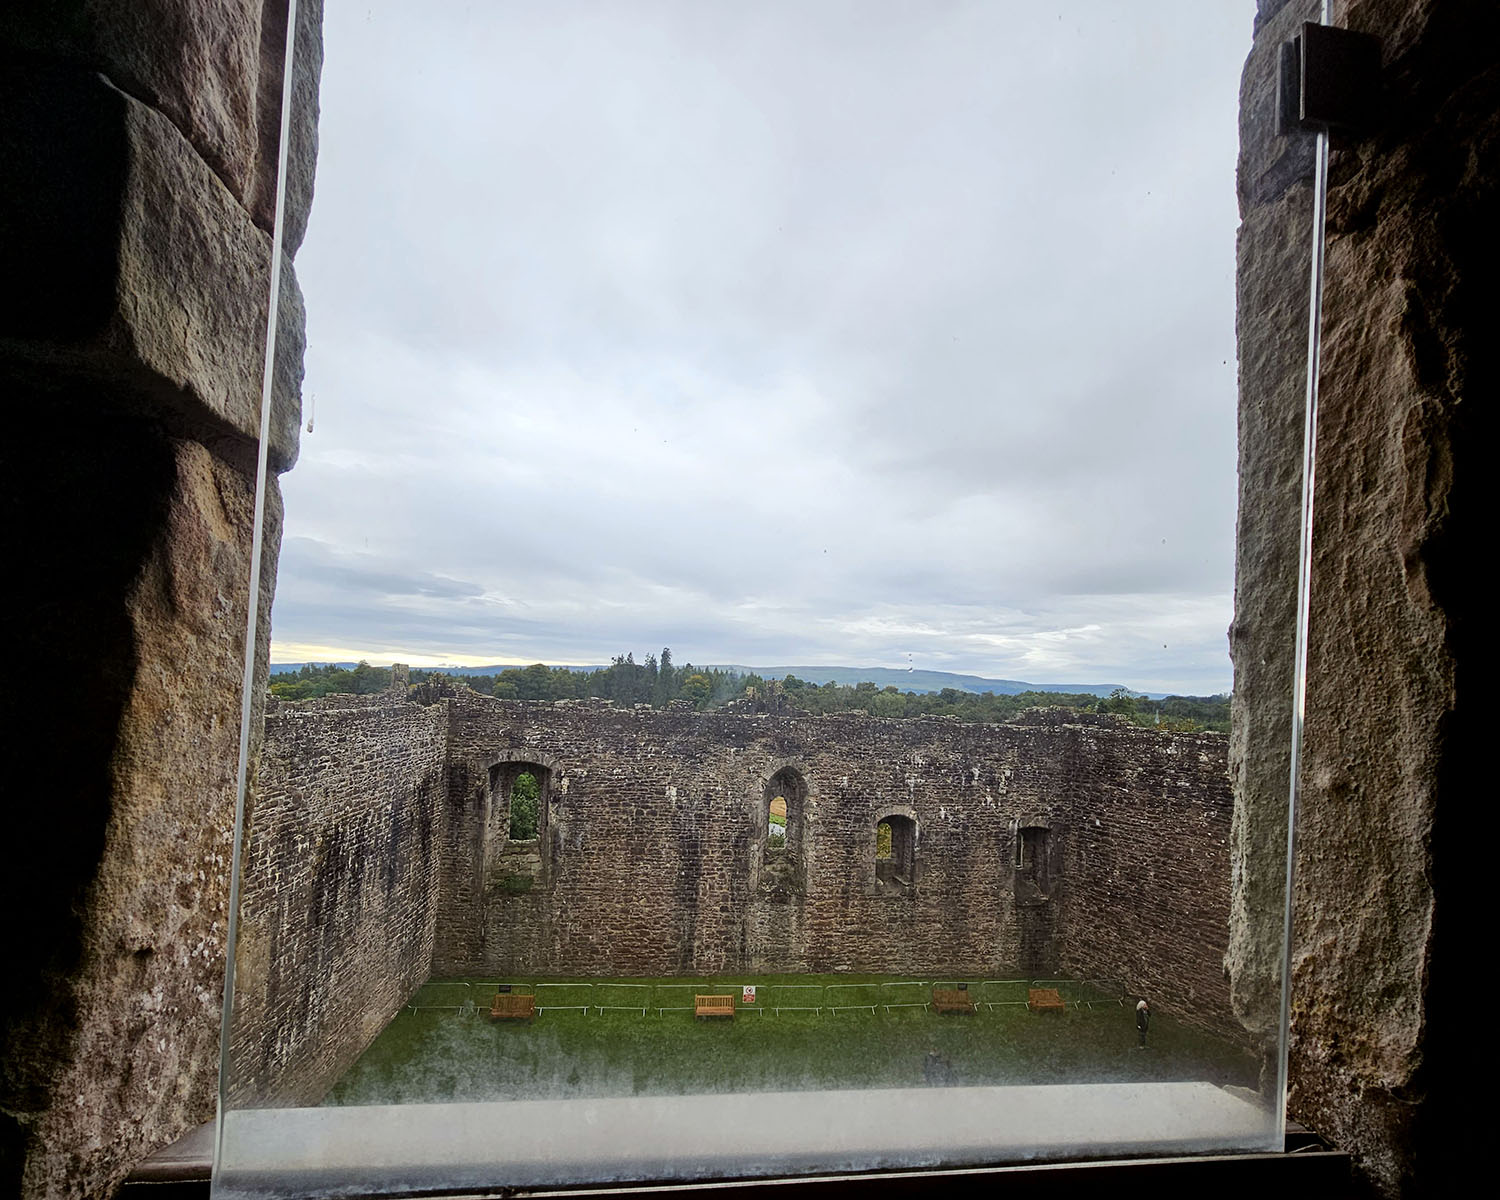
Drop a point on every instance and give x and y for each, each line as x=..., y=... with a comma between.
x=600, y=997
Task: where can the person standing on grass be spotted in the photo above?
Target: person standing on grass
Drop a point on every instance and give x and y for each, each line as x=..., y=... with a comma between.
x=1142, y=1021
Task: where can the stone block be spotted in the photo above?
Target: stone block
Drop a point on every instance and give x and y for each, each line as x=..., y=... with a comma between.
x=213, y=69
x=135, y=268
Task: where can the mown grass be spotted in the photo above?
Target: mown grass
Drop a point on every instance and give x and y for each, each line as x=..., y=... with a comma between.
x=436, y=1052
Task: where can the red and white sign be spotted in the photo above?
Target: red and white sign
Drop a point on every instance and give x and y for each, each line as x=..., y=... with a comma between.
x=748, y=997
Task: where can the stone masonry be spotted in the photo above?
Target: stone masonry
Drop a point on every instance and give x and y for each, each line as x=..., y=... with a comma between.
x=1066, y=843
x=139, y=149
x=1388, y=878
x=341, y=870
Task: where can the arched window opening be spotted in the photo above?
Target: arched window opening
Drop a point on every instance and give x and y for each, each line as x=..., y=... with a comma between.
x=518, y=800
x=784, y=799
x=896, y=853
x=779, y=837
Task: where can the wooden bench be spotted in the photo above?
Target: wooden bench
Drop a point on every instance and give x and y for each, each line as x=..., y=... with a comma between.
x=1044, y=1000
x=713, y=1006
x=512, y=1007
x=952, y=1000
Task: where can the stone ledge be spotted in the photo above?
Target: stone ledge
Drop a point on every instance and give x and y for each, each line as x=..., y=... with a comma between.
x=550, y=1143
x=1304, y=1165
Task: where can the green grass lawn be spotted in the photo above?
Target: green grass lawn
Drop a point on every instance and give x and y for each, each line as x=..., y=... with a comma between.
x=434, y=1051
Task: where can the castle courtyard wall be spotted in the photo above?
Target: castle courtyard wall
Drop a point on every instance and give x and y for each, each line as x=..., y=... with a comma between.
x=381, y=857
x=340, y=900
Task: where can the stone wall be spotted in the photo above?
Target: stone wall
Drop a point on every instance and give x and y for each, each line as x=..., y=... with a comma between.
x=652, y=856
x=1387, y=875
x=659, y=865
x=139, y=150
x=338, y=912
x=1148, y=870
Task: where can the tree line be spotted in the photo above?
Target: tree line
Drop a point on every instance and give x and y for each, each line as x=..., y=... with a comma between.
x=313, y=680
x=657, y=681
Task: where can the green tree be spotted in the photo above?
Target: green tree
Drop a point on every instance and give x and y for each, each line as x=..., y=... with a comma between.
x=697, y=689
x=524, y=794
x=666, y=679
x=535, y=683
x=313, y=680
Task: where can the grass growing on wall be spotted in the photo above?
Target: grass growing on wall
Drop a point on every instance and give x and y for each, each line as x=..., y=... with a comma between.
x=440, y=1052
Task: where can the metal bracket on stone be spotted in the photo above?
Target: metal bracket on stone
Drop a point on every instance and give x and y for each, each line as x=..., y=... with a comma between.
x=1328, y=79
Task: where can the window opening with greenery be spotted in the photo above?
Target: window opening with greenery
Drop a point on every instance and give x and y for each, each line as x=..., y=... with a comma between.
x=524, y=794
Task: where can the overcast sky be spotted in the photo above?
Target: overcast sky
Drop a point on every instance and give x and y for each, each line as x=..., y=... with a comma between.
x=864, y=333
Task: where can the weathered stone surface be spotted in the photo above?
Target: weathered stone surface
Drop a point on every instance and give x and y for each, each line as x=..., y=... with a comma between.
x=338, y=916
x=1384, y=872
x=132, y=328
x=1274, y=247
x=111, y=1045
x=169, y=292
x=380, y=853
x=213, y=69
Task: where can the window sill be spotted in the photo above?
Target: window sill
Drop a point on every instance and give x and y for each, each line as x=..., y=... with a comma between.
x=664, y=1144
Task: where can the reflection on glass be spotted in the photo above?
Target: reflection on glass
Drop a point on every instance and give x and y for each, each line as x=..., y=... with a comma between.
x=792, y=448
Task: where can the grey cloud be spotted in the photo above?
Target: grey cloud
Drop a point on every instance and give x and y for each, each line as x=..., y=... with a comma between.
x=924, y=308
x=313, y=564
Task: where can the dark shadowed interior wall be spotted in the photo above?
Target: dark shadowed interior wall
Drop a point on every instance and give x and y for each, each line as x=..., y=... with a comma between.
x=338, y=918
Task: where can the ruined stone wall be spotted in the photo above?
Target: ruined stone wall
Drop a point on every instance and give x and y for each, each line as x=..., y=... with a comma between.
x=139, y=150
x=652, y=857
x=658, y=862
x=381, y=855
x=339, y=906
x=1147, y=867
x=1387, y=875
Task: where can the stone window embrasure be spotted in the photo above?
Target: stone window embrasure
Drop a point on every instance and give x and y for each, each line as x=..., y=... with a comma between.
x=780, y=830
x=896, y=853
x=517, y=831
x=1033, y=863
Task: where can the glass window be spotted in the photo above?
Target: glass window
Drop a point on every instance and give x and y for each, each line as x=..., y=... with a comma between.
x=793, y=448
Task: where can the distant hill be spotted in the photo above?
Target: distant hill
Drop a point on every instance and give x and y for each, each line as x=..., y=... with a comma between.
x=907, y=681
x=922, y=681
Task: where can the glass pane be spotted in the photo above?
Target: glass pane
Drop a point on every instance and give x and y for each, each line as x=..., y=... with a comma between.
x=792, y=448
